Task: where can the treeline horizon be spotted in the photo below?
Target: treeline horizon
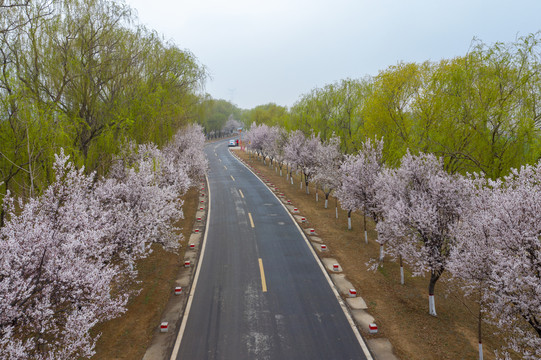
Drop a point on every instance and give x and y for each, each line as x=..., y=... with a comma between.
x=480, y=112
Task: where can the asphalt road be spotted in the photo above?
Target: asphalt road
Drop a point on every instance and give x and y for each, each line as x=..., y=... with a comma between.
x=260, y=292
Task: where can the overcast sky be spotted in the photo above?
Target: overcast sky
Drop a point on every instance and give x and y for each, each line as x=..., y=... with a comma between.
x=261, y=51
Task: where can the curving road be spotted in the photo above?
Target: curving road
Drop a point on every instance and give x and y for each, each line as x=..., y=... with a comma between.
x=260, y=293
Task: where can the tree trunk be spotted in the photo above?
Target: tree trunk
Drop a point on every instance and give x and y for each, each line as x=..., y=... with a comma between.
x=336, y=206
x=326, y=200
x=349, y=220
x=381, y=253
x=434, y=276
x=30, y=173
x=480, y=323
x=364, y=226
x=401, y=270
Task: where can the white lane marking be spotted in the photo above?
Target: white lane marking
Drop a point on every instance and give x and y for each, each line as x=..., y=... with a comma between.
x=232, y=178
x=241, y=194
x=196, y=277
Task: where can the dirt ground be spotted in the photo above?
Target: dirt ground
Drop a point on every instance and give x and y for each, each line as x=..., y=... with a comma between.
x=128, y=336
x=401, y=311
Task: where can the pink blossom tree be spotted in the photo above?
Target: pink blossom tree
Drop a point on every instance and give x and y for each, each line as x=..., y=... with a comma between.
x=56, y=273
x=301, y=152
x=326, y=175
x=269, y=143
x=186, y=152
x=420, y=203
x=498, y=253
x=277, y=148
x=256, y=138
x=358, y=174
x=66, y=257
x=469, y=265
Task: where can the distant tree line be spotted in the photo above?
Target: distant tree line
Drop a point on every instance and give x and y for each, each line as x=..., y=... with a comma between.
x=479, y=112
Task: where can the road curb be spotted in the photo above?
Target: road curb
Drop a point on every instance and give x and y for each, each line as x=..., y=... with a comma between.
x=186, y=312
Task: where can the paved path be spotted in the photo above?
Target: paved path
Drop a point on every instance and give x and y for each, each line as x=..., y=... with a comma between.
x=260, y=293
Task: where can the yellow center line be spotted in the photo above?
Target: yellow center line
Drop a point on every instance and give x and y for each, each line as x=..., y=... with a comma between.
x=262, y=271
x=232, y=177
x=251, y=220
x=241, y=194
x=225, y=167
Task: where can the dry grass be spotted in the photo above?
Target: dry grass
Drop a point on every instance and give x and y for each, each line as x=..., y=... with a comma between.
x=128, y=336
x=401, y=311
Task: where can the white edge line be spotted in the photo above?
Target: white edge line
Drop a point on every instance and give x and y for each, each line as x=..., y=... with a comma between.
x=174, y=354
x=325, y=273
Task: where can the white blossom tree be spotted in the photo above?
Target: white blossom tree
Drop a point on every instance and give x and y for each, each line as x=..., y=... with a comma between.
x=420, y=203
x=498, y=256
x=256, y=138
x=301, y=152
x=269, y=136
x=186, y=152
x=277, y=149
x=328, y=166
x=66, y=257
x=56, y=272
x=358, y=174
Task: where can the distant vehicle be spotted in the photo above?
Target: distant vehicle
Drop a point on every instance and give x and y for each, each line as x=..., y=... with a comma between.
x=232, y=143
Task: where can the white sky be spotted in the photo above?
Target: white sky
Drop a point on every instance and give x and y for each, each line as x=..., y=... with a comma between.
x=261, y=51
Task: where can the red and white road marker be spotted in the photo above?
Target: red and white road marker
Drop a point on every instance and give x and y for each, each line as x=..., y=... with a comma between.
x=196, y=231
x=178, y=290
x=289, y=201
x=312, y=231
x=192, y=246
x=303, y=219
x=295, y=210
x=199, y=219
x=323, y=247
x=201, y=208
x=352, y=293
x=336, y=267
x=187, y=263
x=164, y=327
x=372, y=328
